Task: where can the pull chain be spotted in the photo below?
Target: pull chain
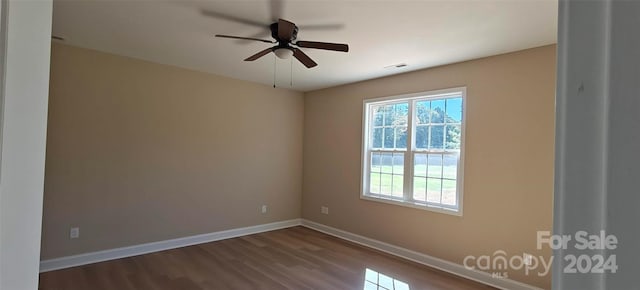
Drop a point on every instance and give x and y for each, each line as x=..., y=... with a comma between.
x=274, y=70
x=291, y=72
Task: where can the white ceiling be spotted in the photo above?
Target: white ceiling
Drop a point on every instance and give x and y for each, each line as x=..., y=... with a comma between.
x=380, y=33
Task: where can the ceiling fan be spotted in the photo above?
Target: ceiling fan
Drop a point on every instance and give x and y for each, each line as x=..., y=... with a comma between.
x=285, y=34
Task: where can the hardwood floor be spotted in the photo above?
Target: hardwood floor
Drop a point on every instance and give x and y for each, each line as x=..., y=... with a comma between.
x=293, y=258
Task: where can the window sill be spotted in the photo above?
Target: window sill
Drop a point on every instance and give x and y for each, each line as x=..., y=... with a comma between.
x=431, y=208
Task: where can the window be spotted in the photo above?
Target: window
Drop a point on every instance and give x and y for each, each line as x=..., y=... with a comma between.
x=413, y=150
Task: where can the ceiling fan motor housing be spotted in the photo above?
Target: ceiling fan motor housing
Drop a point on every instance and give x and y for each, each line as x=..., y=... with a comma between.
x=274, y=33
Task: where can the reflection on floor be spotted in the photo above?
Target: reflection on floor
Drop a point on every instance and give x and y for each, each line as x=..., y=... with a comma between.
x=376, y=281
x=295, y=258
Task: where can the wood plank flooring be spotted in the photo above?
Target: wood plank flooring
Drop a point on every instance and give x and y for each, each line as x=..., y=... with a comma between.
x=294, y=258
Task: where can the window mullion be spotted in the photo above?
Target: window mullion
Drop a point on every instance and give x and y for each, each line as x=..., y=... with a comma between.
x=444, y=133
x=408, y=156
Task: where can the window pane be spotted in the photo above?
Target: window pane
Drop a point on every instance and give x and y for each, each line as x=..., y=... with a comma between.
x=388, y=115
x=420, y=165
x=398, y=163
x=450, y=166
x=385, y=282
x=437, y=111
x=420, y=188
x=378, y=115
x=453, y=136
x=370, y=275
x=449, y=192
x=370, y=286
x=422, y=112
x=401, y=137
x=375, y=162
x=401, y=114
x=399, y=285
x=398, y=185
x=398, y=175
x=385, y=181
x=436, y=138
x=434, y=168
x=454, y=110
x=422, y=135
x=434, y=187
x=377, y=138
x=374, y=182
x=388, y=137
x=386, y=164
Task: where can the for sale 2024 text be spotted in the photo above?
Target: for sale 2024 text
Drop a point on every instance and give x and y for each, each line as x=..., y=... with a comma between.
x=599, y=244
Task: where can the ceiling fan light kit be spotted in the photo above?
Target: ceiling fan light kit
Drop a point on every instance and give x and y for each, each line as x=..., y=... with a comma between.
x=285, y=34
x=283, y=53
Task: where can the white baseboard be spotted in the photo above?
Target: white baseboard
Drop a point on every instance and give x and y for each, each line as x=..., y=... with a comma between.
x=100, y=256
x=450, y=267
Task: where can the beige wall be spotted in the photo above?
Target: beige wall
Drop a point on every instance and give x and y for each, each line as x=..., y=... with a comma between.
x=140, y=152
x=508, y=160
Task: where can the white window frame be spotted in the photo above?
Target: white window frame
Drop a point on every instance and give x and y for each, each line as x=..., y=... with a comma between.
x=407, y=200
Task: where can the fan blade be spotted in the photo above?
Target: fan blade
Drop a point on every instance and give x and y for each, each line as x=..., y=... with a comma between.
x=285, y=29
x=303, y=58
x=323, y=45
x=321, y=27
x=244, y=38
x=256, y=36
x=232, y=18
x=259, y=54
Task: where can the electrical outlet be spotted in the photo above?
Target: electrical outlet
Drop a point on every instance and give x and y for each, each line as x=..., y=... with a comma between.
x=527, y=259
x=263, y=209
x=74, y=233
x=324, y=210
